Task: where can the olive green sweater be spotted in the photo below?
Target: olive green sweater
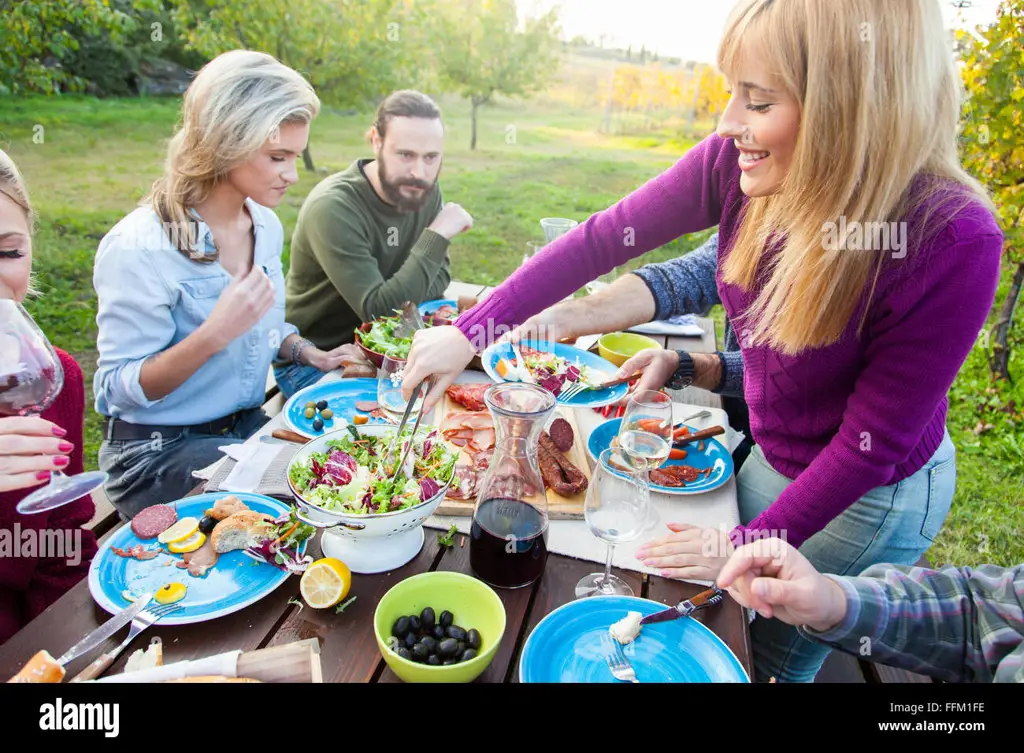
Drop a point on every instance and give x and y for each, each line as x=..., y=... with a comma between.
x=355, y=258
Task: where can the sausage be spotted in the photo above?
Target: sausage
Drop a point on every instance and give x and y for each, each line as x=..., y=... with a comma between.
x=561, y=433
x=152, y=521
x=558, y=472
x=367, y=406
x=714, y=431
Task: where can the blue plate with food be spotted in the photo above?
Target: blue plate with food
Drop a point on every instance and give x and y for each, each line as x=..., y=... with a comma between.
x=441, y=310
x=213, y=554
x=328, y=406
x=556, y=367
x=571, y=645
x=694, y=468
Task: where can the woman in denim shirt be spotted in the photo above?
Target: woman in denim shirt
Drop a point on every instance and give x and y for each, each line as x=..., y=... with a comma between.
x=191, y=286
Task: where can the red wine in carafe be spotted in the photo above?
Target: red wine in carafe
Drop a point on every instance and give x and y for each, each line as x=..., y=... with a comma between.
x=508, y=543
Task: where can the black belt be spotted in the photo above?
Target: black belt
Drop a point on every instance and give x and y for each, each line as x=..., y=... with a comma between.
x=116, y=430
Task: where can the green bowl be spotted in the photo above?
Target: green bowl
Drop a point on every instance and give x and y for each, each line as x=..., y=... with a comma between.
x=473, y=604
x=619, y=347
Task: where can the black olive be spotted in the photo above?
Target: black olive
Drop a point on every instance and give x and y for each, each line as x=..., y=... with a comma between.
x=468, y=654
x=420, y=653
x=427, y=618
x=322, y=405
x=446, y=619
x=404, y=653
x=433, y=661
x=430, y=643
x=447, y=648
x=414, y=624
x=410, y=640
x=207, y=524
x=456, y=632
x=318, y=425
x=473, y=639
x=448, y=662
x=401, y=627
x=438, y=632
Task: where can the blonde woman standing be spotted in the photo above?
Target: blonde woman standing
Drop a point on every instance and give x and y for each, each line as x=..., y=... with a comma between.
x=191, y=286
x=857, y=261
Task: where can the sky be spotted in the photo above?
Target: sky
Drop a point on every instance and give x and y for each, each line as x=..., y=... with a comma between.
x=689, y=29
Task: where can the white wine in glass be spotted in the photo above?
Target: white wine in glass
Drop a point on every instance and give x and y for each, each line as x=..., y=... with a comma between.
x=31, y=378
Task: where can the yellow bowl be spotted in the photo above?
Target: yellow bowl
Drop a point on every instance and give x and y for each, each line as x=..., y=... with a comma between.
x=619, y=347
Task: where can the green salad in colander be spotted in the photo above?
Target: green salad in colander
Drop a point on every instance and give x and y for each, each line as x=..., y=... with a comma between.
x=350, y=478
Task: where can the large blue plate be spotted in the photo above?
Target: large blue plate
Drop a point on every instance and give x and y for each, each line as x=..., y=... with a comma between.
x=431, y=306
x=341, y=397
x=715, y=457
x=235, y=582
x=587, y=398
x=566, y=646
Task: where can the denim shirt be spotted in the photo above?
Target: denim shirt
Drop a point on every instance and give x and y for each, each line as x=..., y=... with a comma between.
x=151, y=297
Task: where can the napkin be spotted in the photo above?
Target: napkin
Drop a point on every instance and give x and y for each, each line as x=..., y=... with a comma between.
x=684, y=325
x=258, y=468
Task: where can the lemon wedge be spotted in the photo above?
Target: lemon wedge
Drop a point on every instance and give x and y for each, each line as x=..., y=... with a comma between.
x=325, y=583
x=190, y=544
x=170, y=593
x=179, y=531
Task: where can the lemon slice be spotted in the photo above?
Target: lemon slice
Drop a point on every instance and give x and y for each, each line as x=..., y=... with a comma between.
x=325, y=583
x=179, y=531
x=190, y=544
x=170, y=593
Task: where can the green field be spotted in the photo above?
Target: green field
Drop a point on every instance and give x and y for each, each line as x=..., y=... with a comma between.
x=88, y=162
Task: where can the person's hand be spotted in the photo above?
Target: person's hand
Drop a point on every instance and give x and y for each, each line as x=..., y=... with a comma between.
x=242, y=304
x=773, y=578
x=688, y=552
x=30, y=448
x=440, y=352
x=657, y=365
x=552, y=324
x=451, y=221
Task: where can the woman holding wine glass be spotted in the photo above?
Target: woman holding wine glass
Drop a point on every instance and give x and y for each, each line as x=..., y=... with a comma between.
x=32, y=447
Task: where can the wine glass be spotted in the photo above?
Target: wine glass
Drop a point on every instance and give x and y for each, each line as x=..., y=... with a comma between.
x=645, y=435
x=618, y=499
x=533, y=248
x=389, y=390
x=31, y=378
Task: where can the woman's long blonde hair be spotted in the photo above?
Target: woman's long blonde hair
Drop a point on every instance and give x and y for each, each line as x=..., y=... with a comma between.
x=237, y=101
x=879, y=95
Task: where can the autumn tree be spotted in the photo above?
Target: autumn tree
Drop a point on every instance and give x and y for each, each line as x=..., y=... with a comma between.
x=993, y=143
x=481, y=51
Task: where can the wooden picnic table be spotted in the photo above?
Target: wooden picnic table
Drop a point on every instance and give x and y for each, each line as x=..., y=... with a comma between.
x=349, y=651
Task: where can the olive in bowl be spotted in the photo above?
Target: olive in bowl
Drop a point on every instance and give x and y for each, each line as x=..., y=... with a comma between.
x=474, y=609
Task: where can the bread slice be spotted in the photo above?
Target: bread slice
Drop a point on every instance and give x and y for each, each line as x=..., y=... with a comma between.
x=241, y=530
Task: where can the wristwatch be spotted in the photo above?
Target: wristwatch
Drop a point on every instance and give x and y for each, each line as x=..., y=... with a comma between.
x=683, y=376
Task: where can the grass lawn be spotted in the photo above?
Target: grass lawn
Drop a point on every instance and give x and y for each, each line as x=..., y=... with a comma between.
x=88, y=162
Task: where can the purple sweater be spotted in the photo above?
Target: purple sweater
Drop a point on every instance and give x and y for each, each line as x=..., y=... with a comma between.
x=839, y=421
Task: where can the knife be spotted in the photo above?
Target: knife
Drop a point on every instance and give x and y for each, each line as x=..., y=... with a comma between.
x=107, y=629
x=686, y=608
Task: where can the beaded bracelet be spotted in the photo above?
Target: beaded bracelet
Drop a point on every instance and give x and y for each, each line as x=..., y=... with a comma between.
x=298, y=347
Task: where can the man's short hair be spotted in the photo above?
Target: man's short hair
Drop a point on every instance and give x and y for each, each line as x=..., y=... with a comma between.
x=404, y=104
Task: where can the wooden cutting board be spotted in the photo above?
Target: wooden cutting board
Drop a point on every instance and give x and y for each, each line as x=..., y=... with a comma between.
x=559, y=507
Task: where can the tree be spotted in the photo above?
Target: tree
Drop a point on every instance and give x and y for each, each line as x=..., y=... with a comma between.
x=993, y=146
x=353, y=52
x=482, y=52
x=37, y=37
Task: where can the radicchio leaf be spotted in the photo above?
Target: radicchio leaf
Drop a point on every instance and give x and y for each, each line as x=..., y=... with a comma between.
x=340, y=468
x=428, y=488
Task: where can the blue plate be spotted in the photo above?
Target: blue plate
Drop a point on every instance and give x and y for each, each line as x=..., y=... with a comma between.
x=431, y=306
x=715, y=456
x=235, y=582
x=341, y=398
x=566, y=646
x=586, y=399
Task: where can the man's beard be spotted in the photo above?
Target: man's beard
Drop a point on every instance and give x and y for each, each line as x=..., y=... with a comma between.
x=393, y=193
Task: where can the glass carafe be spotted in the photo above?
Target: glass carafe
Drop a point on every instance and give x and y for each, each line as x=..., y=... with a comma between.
x=508, y=541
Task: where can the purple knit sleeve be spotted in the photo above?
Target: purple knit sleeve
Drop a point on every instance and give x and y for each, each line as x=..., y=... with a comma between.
x=684, y=199
x=920, y=336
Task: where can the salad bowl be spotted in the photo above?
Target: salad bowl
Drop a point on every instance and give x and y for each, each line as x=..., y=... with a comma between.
x=340, y=485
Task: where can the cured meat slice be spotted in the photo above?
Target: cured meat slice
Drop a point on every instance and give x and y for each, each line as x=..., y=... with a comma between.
x=464, y=486
x=675, y=475
x=367, y=406
x=198, y=562
x=152, y=521
x=470, y=396
x=562, y=434
x=138, y=552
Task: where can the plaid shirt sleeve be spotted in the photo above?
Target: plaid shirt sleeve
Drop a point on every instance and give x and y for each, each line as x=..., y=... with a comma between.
x=956, y=624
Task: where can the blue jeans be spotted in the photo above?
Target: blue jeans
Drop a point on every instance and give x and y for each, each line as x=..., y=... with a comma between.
x=894, y=524
x=147, y=472
x=294, y=377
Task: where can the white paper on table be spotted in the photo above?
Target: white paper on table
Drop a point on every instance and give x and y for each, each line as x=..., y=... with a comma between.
x=679, y=326
x=222, y=665
x=248, y=472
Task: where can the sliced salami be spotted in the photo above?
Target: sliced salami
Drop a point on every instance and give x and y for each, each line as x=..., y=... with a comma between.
x=153, y=521
x=367, y=406
x=561, y=433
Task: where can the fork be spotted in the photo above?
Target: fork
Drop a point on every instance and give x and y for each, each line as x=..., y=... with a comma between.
x=142, y=620
x=572, y=391
x=617, y=661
